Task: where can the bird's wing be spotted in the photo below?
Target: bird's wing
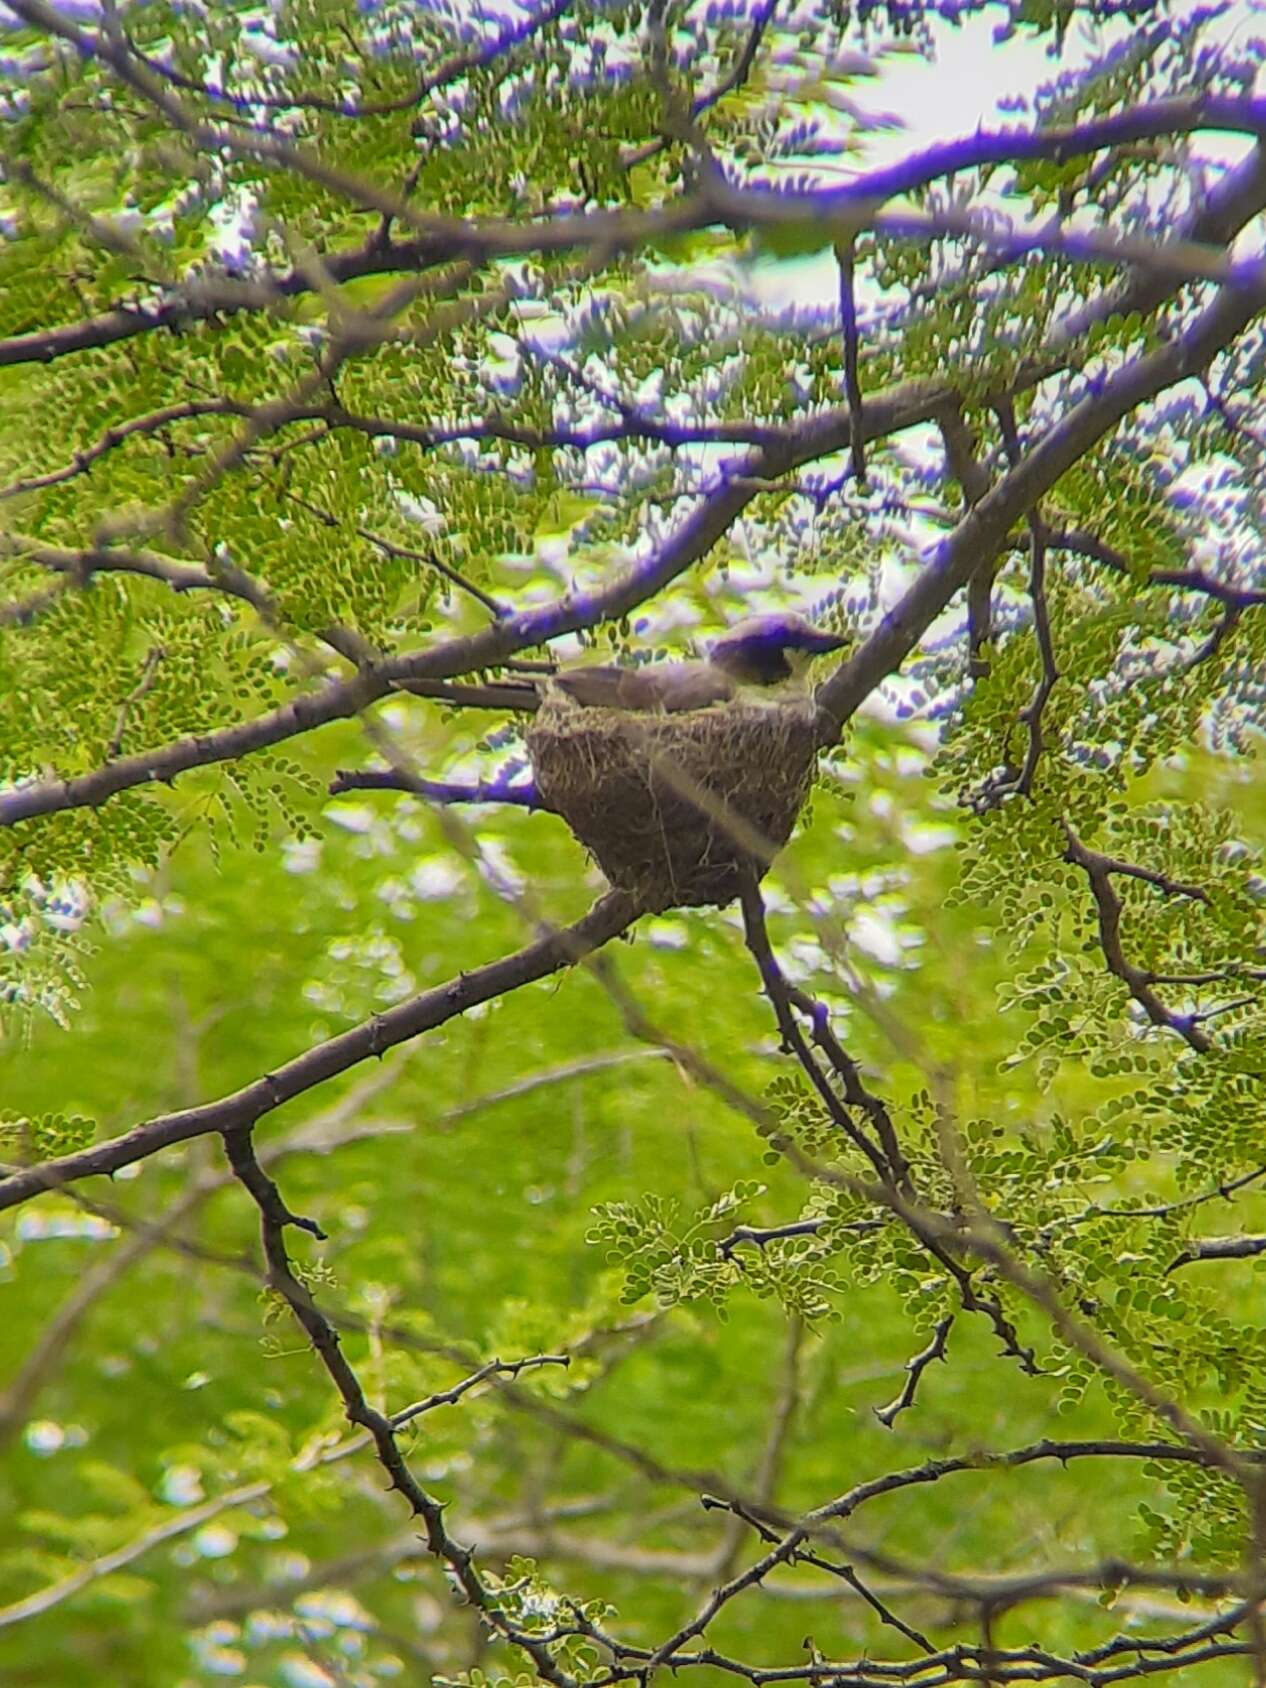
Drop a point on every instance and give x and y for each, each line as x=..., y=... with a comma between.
x=596, y=688
x=660, y=687
x=688, y=685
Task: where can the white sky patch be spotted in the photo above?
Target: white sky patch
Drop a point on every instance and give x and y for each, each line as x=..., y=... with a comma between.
x=875, y=932
x=922, y=838
x=436, y=878
x=232, y=230
x=805, y=957
x=667, y=935
x=498, y=869
x=352, y=817
x=335, y=1608
x=300, y=1671
x=41, y=1227
x=181, y=1486
x=423, y=513
x=957, y=93
x=43, y=1436
x=301, y=855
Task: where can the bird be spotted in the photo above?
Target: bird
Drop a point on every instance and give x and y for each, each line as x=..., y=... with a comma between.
x=769, y=652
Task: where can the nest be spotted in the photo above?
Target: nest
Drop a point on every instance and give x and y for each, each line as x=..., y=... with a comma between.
x=676, y=809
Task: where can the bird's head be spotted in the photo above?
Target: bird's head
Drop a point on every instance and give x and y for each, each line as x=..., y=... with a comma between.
x=767, y=650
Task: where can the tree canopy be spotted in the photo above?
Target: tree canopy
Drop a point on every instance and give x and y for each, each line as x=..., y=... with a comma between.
x=422, y=1260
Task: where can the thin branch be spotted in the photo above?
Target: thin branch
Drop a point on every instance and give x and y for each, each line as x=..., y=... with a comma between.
x=275, y=1218
x=704, y=102
x=491, y=1368
x=437, y=791
x=1176, y=260
x=794, y=1042
x=79, y=567
x=985, y=528
x=887, y=1160
x=341, y=699
x=1089, y=545
x=963, y=464
x=1222, y=1191
x=1099, y=870
x=914, y=1369
x=842, y=1572
x=442, y=240
x=761, y=1236
x=243, y=1108
x=977, y=537
x=450, y=70
x=144, y=426
x=1219, y=1248
x=58, y=1330
x=144, y=685
x=506, y=695
x=985, y=1238
x=22, y=612
x=852, y=381
x=192, y=1518
x=788, y=1547
x=1019, y=783
x=404, y=553
x=765, y=1483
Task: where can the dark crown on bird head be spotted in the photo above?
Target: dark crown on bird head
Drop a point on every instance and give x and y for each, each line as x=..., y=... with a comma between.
x=767, y=649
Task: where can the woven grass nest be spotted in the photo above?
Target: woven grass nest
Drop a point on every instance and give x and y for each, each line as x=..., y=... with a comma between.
x=675, y=809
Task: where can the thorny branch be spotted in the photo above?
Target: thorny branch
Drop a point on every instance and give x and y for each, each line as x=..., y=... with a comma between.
x=915, y=1368
x=244, y=1108
x=965, y=560
x=885, y=1155
x=1099, y=870
x=275, y=1217
x=1019, y=782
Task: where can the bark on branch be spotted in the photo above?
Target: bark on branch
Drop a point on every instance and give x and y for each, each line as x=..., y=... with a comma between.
x=237, y=1112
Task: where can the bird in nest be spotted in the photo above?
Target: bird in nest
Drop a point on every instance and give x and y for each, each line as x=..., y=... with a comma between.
x=766, y=654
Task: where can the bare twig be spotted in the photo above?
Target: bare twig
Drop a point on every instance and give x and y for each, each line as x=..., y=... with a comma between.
x=1219, y=1248
x=240, y=1110
x=852, y=381
x=915, y=1368
x=523, y=796
x=460, y=1561
x=960, y=456
x=1099, y=870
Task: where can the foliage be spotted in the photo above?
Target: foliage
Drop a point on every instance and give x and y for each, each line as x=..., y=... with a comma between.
x=835, y=1288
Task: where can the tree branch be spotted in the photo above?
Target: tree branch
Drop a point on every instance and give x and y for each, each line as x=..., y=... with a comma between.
x=979, y=535
x=340, y=699
x=915, y=1368
x=1099, y=870
x=960, y=457
x=984, y=529
x=1219, y=1248
x=442, y=240
x=138, y=426
x=239, y=1111
x=438, y=791
x=275, y=1218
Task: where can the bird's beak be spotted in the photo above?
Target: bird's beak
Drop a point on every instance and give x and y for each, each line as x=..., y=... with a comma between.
x=817, y=644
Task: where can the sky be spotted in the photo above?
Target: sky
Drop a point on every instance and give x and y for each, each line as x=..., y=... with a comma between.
x=957, y=93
